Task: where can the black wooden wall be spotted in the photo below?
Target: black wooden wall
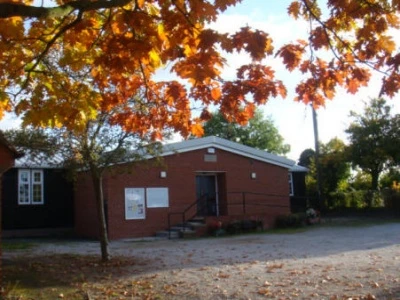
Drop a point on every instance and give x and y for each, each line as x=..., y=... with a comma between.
x=57, y=210
x=298, y=202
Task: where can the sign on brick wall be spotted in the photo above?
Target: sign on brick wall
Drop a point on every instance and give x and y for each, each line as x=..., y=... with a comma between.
x=157, y=197
x=134, y=204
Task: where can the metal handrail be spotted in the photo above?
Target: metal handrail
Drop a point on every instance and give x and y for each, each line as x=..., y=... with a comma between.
x=183, y=214
x=243, y=203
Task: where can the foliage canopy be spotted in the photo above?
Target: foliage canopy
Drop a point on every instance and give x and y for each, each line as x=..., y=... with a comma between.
x=334, y=168
x=122, y=43
x=374, y=139
x=260, y=132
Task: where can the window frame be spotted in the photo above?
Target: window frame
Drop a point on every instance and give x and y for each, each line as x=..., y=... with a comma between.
x=24, y=197
x=291, y=186
x=31, y=182
x=40, y=184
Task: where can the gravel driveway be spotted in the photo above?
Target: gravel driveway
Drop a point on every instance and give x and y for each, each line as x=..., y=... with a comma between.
x=321, y=263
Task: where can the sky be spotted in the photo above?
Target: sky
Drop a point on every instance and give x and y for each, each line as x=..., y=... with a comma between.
x=293, y=119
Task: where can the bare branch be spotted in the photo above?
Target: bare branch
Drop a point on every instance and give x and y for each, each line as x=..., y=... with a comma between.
x=8, y=10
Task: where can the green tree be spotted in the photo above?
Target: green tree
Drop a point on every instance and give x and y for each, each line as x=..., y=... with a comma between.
x=335, y=170
x=260, y=132
x=373, y=137
x=306, y=158
x=390, y=178
x=361, y=181
x=394, y=137
x=36, y=143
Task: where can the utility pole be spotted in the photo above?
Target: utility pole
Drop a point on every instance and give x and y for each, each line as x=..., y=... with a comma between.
x=317, y=157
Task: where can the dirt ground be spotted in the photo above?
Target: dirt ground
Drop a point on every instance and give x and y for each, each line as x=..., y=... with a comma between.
x=336, y=262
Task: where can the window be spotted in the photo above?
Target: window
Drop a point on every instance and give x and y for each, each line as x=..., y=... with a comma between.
x=291, y=190
x=30, y=187
x=24, y=181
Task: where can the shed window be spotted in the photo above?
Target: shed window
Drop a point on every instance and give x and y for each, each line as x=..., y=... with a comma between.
x=30, y=187
x=291, y=191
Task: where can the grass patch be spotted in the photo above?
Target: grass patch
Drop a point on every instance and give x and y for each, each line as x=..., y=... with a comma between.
x=76, y=277
x=289, y=230
x=357, y=221
x=10, y=245
x=19, y=290
x=40, y=278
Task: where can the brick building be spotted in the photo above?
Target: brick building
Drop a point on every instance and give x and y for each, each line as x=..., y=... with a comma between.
x=209, y=177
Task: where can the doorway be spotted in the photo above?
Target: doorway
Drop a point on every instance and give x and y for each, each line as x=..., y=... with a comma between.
x=207, y=195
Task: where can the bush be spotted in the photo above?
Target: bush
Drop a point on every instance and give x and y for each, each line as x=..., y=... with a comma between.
x=244, y=226
x=291, y=220
x=392, y=201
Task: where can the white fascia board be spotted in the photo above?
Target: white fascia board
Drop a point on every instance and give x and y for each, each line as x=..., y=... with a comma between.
x=297, y=168
x=236, y=148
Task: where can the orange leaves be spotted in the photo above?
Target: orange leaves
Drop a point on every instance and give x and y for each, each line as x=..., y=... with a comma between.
x=201, y=67
x=197, y=130
x=140, y=3
x=259, y=81
x=222, y=5
x=205, y=115
x=357, y=35
x=208, y=39
x=320, y=38
x=111, y=56
x=359, y=77
x=292, y=54
x=324, y=79
x=175, y=94
x=294, y=9
x=11, y=28
x=216, y=94
x=4, y=104
x=391, y=84
x=255, y=42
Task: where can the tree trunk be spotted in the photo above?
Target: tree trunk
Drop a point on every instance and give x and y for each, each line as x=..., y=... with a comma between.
x=98, y=190
x=374, y=188
x=375, y=180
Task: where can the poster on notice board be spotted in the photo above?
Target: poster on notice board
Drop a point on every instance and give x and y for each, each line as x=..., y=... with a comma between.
x=134, y=204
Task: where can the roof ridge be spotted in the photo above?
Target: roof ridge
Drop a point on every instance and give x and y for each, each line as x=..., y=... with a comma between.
x=224, y=144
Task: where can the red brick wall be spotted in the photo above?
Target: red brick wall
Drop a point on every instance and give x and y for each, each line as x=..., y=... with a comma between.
x=6, y=158
x=181, y=172
x=85, y=212
x=6, y=162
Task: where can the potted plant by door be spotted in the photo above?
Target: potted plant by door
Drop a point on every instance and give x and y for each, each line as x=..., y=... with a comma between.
x=313, y=216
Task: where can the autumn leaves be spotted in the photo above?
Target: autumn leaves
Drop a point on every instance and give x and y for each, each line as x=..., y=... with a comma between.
x=107, y=54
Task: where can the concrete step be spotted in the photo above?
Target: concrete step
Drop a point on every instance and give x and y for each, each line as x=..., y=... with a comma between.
x=168, y=234
x=195, y=224
x=198, y=219
x=191, y=228
x=189, y=234
x=181, y=228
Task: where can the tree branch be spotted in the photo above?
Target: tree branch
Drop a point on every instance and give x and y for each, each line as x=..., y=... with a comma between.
x=333, y=48
x=8, y=10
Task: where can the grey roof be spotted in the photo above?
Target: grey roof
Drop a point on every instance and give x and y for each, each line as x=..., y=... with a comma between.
x=297, y=168
x=38, y=160
x=223, y=144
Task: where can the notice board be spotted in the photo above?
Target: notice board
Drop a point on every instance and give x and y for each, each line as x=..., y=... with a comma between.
x=157, y=197
x=134, y=204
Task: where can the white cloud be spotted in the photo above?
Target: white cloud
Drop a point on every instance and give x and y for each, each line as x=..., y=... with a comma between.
x=10, y=121
x=294, y=120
